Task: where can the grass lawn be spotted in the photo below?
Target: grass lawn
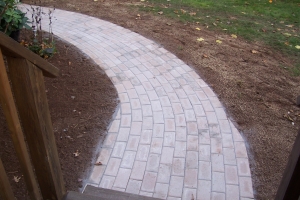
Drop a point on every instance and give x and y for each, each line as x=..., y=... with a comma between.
x=276, y=23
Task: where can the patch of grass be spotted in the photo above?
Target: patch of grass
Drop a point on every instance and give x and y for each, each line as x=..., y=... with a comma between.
x=277, y=24
x=295, y=71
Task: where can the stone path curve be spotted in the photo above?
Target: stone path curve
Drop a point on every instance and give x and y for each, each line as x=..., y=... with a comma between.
x=171, y=138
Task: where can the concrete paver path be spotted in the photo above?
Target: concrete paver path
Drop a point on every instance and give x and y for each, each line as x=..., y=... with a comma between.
x=171, y=138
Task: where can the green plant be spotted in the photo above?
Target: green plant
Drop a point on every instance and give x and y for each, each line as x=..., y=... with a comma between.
x=11, y=18
x=41, y=45
x=45, y=49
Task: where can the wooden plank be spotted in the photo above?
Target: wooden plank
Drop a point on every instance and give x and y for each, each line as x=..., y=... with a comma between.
x=6, y=192
x=14, y=49
x=29, y=90
x=11, y=114
x=290, y=182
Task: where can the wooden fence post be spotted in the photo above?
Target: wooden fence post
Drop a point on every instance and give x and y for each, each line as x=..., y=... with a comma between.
x=13, y=122
x=29, y=90
x=290, y=182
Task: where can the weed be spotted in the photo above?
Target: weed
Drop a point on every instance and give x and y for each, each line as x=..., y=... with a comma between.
x=43, y=45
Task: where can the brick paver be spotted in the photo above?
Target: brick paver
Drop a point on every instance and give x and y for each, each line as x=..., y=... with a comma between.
x=170, y=137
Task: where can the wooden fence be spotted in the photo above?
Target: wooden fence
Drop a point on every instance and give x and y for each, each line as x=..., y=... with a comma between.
x=26, y=103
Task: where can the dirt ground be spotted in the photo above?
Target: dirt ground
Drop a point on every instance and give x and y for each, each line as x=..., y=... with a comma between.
x=81, y=101
x=257, y=92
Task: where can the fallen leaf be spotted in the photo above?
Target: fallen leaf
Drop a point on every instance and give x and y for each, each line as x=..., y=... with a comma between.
x=290, y=26
x=142, y=0
x=244, y=13
x=198, y=29
x=69, y=63
x=214, y=24
x=95, y=0
x=200, y=39
x=192, y=13
x=160, y=12
x=168, y=24
x=297, y=46
x=98, y=163
x=183, y=11
x=17, y=179
x=287, y=34
x=288, y=117
x=233, y=36
x=138, y=15
x=218, y=41
x=205, y=56
x=254, y=51
x=76, y=154
x=270, y=1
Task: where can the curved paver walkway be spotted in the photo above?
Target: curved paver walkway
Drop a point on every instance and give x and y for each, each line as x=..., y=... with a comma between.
x=171, y=138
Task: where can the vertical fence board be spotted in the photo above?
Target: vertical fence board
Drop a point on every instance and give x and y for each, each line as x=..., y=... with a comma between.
x=29, y=90
x=6, y=192
x=11, y=114
x=290, y=183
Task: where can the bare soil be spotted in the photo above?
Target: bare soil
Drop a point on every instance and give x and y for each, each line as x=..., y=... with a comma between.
x=257, y=92
x=82, y=101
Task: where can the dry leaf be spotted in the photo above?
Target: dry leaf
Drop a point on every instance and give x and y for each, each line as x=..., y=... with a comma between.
x=200, y=39
x=17, y=179
x=287, y=34
x=233, y=36
x=76, y=154
x=183, y=11
x=192, y=13
x=214, y=24
x=290, y=26
x=254, y=51
x=198, y=29
x=168, y=24
x=297, y=46
x=288, y=117
x=69, y=63
x=160, y=12
x=218, y=41
x=205, y=56
x=98, y=163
